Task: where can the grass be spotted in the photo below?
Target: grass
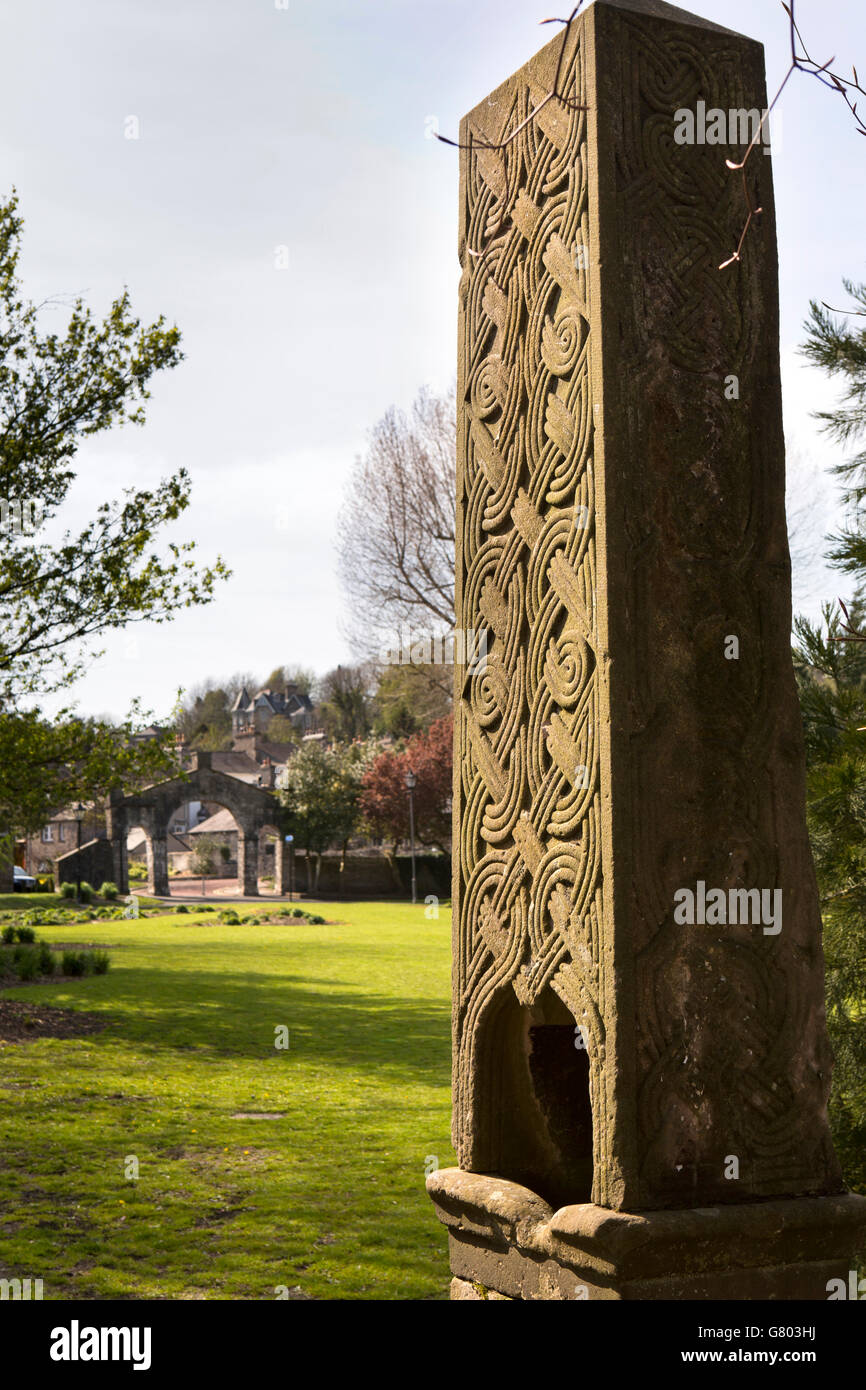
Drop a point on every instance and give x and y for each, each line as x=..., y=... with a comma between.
x=20, y=902
x=327, y=1201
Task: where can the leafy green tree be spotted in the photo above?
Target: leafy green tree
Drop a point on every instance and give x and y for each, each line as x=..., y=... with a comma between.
x=206, y=721
x=282, y=730
x=321, y=800
x=206, y=856
x=47, y=764
x=408, y=698
x=56, y=390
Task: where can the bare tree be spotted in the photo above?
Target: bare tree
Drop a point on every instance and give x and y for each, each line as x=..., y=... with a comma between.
x=343, y=699
x=396, y=528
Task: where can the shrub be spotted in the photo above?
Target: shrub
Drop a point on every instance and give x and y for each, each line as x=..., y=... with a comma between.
x=8, y=935
x=86, y=893
x=25, y=934
x=229, y=916
x=67, y=890
x=46, y=959
x=108, y=891
x=137, y=873
x=45, y=884
x=316, y=919
x=182, y=907
x=100, y=962
x=76, y=963
x=26, y=962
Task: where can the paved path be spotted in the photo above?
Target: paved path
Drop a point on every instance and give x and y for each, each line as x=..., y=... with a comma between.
x=223, y=890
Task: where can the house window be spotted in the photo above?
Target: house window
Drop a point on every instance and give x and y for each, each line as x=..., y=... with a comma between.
x=44, y=866
x=61, y=832
x=47, y=835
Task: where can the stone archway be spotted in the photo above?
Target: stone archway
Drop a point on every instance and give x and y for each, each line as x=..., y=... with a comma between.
x=152, y=808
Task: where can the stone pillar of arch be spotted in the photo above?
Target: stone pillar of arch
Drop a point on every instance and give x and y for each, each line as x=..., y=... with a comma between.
x=157, y=865
x=281, y=868
x=117, y=832
x=248, y=862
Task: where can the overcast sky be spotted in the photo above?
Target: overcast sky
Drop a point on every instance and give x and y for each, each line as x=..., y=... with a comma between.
x=306, y=127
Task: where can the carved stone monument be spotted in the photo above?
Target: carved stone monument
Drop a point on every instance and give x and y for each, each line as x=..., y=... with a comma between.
x=641, y=1066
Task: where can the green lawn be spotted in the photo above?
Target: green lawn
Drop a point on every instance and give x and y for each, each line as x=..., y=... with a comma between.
x=14, y=902
x=328, y=1201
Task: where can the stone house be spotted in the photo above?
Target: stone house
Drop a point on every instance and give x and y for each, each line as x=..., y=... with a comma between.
x=221, y=829
x=251, y=714
x=37, y=853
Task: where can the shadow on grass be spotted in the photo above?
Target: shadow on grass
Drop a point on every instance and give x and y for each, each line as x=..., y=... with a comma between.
x=199, y=1011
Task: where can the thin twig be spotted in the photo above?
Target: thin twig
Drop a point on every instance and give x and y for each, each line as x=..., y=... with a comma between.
x=854, y=635
x=800, y=62
x=502, y=145
x=860, y=312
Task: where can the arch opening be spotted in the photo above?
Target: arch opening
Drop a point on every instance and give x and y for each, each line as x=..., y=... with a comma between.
x=540, y=1122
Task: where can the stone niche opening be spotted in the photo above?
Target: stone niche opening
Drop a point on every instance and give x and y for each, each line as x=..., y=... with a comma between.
x=544, y=1138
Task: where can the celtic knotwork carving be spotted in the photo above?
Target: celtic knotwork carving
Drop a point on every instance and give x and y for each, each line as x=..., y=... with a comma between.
x=530, y=838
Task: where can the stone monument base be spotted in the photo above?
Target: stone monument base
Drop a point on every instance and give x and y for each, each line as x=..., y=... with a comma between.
x=506, y=1242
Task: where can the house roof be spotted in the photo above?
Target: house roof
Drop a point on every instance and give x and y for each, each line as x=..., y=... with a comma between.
x=220, y=822
x=302, y=704
x=288, y=702
x=239, y=765
x=277, y=752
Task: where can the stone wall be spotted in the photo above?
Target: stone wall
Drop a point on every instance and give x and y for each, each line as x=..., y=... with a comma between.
x=375, y=876
x=95, y=860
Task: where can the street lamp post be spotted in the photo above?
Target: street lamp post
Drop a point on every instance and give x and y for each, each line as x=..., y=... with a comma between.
x=290, y=841
x=411, y=783
x=79, y=816
x=201, y=817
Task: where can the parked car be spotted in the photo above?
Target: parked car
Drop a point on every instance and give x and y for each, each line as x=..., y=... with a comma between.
x=24, y=883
